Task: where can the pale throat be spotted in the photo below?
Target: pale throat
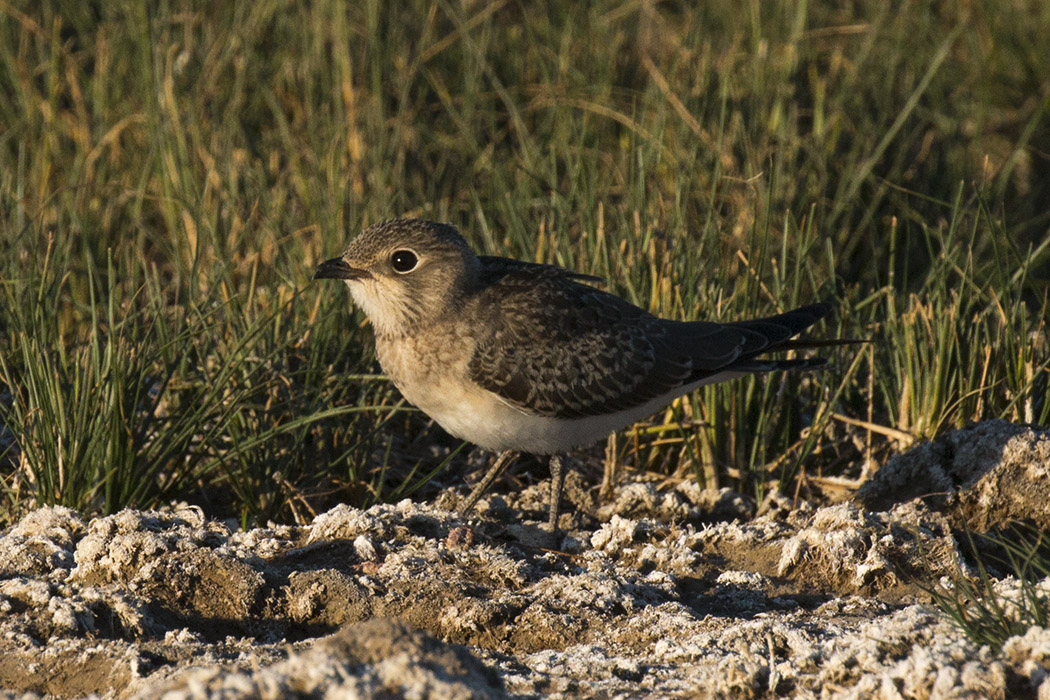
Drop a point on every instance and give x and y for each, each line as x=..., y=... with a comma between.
x=393, y=312
x=384, y=316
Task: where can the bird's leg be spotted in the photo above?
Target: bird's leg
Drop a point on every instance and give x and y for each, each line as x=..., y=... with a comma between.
x=557, y=481
x=502, y=462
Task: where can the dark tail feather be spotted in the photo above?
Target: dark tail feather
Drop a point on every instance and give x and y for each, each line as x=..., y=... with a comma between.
x=780, y=331
x=771, y=331
x=743, y=346
x=789, y=324
x=796, y=320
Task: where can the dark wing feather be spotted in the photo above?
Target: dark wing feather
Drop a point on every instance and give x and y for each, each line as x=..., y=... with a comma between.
x=554, y=347
x=557, y=348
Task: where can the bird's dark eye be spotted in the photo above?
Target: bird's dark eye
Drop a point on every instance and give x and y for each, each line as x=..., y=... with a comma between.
x=404, y=260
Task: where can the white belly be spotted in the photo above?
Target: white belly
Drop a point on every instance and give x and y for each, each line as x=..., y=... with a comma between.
x=479, y=416
x=496, y=426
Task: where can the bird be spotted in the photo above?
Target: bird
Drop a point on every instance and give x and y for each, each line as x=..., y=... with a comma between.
x=521, y=357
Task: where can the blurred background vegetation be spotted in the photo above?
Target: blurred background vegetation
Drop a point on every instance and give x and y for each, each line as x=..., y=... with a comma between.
x=171, y=173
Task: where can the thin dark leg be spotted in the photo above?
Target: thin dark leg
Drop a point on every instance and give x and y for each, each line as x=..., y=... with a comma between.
x=502, y=462
x=557, y=481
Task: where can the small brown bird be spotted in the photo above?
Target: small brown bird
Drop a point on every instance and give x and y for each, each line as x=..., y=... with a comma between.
x=519, y=357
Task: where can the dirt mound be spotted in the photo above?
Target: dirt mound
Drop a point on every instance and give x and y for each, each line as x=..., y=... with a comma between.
x=651, y=595
x=985, y=476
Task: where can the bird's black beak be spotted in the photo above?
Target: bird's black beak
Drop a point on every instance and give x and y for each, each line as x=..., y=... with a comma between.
x=337, y=269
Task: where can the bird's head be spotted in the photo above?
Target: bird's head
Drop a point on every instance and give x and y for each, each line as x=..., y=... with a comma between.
x=405, y=273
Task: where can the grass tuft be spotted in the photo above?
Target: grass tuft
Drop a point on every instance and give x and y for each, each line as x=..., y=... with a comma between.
x=990, y=610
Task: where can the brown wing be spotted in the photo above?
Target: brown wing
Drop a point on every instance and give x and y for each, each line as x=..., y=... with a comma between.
x=554, y=347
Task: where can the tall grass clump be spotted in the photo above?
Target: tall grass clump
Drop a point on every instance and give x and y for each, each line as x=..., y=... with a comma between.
x=153, y=403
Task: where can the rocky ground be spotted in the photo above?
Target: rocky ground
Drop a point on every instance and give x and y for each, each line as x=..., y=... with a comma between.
x=662, y=592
